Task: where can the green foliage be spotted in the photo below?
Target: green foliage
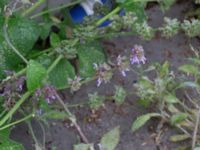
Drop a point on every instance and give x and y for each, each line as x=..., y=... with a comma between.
x=190, y=69
x=35, y=75
x=179, y=137
x=82, y=147
x=120, y=95
x=53, y=114
x=54, y=39
x=58, y=77
x=95, y=101
x=2, y=4
x=88, y=54
x=170, y=28
x=171, y=99
x=166, y=4
x=8, y=144
x=140, y=121
x=23, y=34
x=191, y=28
x=178, y=118
x=110, y=140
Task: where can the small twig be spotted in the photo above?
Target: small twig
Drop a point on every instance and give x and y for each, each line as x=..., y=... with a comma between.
x=194, y=137
x=72, y=119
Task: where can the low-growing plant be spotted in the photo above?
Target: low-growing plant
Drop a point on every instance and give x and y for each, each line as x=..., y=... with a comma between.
x=40, y=58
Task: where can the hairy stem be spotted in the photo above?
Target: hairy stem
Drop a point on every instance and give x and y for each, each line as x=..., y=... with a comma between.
x=17, y=122
x=32, y=8
x=55, y=9
x=14, y=109
x=194, y=137
x=72, y=119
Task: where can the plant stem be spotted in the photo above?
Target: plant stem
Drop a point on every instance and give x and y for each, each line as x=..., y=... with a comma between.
x=194, y=137
x=32, y=8
x=54, y=63
x=72, y=119
x=32, y=133
x=55, y=9
x=10, y=44
x=14, y=109
x=17, y=122
x=114, y=11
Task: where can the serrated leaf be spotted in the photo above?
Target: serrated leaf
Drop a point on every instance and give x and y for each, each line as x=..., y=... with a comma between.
x=110, y=140
x=141, y=120
x=89, y=53
x=189, y=69
x=82, y=146
x=35, y=75
x=178, y=118
x=179, y=137
x=58, y=77
x=171, y=99
x=54, y=39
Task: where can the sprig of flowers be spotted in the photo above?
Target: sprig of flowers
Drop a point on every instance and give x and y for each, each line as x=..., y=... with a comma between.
x=145, y=31
x=170, y=28
x=191, y=28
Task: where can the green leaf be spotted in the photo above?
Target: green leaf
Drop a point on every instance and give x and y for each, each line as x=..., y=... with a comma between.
x=58, y=77
x=5, y=133
x=46, y=28
x=189, y=84
x=166, y=4
x=120, y=95
x=54, y=39
x=195, y=60
x=164, y=69
x=140, y=121
x=110, y=140
x=189, y=69
x=171, y=99
x=53, y=114
x=179, y=137
x=23, y=34
x=89, y=53
x=35, y=75
x=82, y=146
x=2, y=4
x=178, y=118
x=136, y=7
x=6, y=143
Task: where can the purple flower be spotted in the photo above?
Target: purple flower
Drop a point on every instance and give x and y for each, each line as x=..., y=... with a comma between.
x=137, y=55
x=49, y=93
x=20, y=83
x=123, y=65
x=103, y=73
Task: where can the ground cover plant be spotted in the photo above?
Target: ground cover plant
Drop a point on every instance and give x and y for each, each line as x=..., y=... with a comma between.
x=42, y=53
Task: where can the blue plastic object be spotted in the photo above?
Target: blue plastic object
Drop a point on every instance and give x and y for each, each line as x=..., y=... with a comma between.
x=78, y=13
